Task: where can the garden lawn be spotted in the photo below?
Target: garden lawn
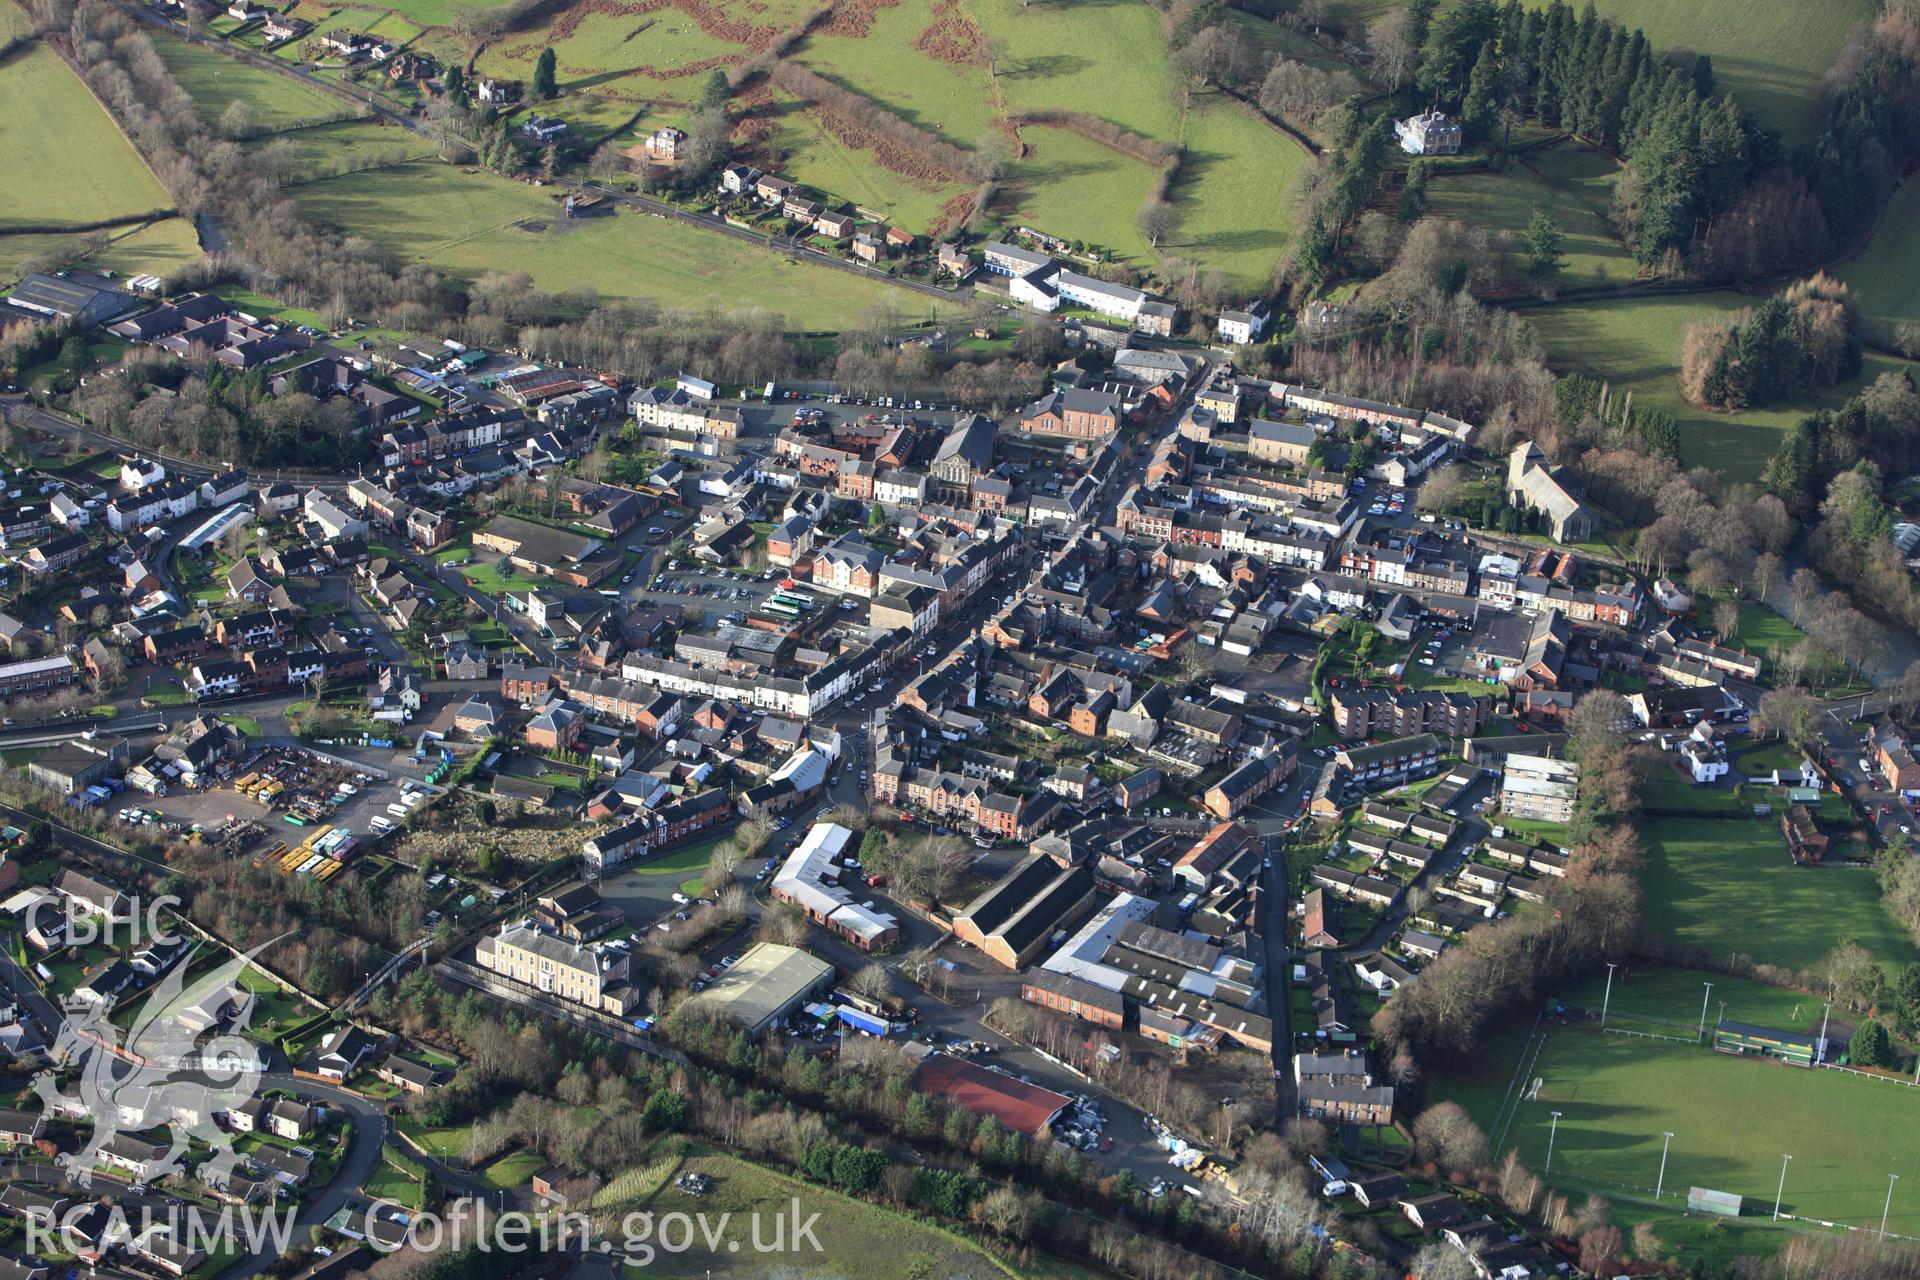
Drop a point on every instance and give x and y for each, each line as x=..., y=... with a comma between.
x=388, y=1183
x=90, y=172
x=1763, y=631
x=1731, y=1120
x=1634, y=343
x=449, y=1143
x=1770, y=55
x=1571, y=185
x=216, y=82
x=469, y=224
x=1885, y=275
x=160, y=248
x=1728, y=886
x=691, y=858
x=514, y=1169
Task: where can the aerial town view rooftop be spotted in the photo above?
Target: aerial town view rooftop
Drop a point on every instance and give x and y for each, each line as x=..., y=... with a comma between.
x=1154, y=639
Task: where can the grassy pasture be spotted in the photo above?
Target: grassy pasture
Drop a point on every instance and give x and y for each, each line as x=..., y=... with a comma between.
x=471, y=224
x=1238, y=193
x=322, y=147
x=1074, y=187
x=1885, y=275
x=425, y=13
x=1729, y=886
x=1770, y=55
x=858, y=1240
x=817, y=159
x=157, y=247
x=1634, y=343
x=953, y=100
x=1103, y=57
x=216, y=82
x=100, y=176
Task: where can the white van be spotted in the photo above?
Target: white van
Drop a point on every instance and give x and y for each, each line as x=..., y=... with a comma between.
x=397, y=810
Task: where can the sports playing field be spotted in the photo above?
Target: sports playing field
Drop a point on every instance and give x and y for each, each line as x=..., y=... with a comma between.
x=1732, y=1119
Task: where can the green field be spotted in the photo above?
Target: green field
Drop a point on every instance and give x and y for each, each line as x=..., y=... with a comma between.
x=1237, y=194
x=1727, y=885
x=1570, y=183
x=858, y=1241
x=1763, y=631
x=324, y=149
x=1885, y=275
x=1667, y=999
x=469, y=224
x=952, y=99
x=100, y=176
x=626, y=70
x=156, y=247
x=1732, y=1120
x=817, y=159
x=216, y=82
x=388, y=1183
x=425, y=13
x=1068, y=181
x=1770, y=55
x=513, y=1169
x=1634, y=343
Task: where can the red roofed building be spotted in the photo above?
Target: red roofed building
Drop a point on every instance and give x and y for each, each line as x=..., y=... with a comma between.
x=1024, y=1108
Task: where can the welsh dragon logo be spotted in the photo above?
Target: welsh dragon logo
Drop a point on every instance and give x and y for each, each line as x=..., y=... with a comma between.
x=180, y=1063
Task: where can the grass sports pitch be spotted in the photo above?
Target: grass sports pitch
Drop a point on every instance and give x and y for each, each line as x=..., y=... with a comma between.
x=1732, y=1120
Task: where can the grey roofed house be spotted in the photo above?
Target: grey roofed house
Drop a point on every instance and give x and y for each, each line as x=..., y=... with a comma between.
x=1013, y=254
x=15, y=1266
x=1153, y=366
x=25, y=1200
x=1297, y=434
x=286, y=1166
